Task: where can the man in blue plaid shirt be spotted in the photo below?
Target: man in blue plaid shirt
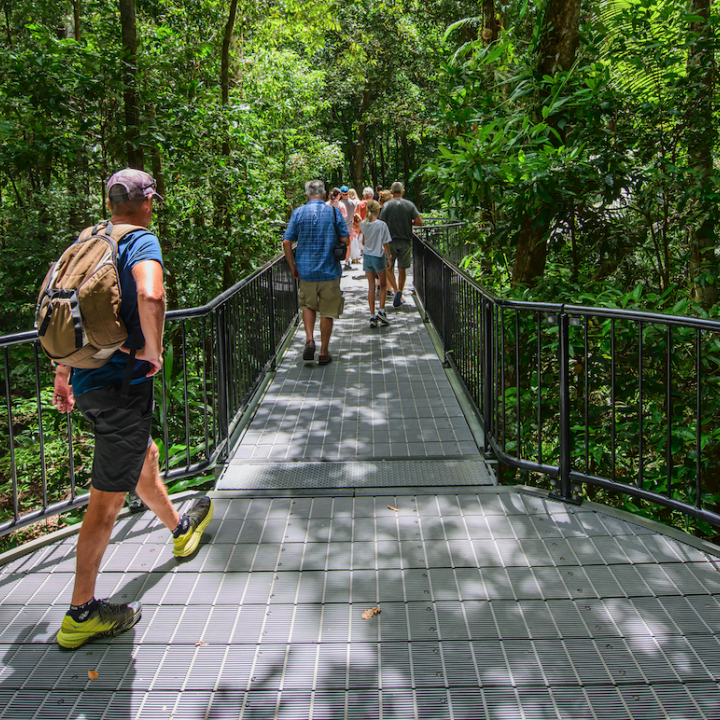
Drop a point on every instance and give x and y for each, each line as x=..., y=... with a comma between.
x=316, y=228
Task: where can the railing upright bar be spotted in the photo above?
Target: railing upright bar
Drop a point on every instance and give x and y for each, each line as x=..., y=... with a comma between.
x=565, y=486
x=613, y=469
x=517, y=384
x=165, y=408
x=641, y=415
x=698, y=414
x=273, y=341
x=223, y=418
x=203, y=356
x=214, y=379
x=488, y=402
x=539, y=388
x=502, y=376
x=668, y=409
x=41, y=434
x=71, y=457
x=11, y=434
x=586, y=399
x=183, y=336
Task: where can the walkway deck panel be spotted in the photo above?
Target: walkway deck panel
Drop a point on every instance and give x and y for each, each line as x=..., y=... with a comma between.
x=496, y=602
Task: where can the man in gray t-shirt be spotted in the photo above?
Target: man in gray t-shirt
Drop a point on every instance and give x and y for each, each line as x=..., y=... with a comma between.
x=400, y=215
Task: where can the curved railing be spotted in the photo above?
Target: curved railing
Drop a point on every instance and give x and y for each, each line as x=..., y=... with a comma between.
x=620, y=400
x=216, y=355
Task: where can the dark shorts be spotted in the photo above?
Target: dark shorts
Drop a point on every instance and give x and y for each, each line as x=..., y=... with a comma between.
x=401, y=250
x=122, y=434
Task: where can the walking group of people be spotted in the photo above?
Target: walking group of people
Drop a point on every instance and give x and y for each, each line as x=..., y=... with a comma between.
x=383, y=227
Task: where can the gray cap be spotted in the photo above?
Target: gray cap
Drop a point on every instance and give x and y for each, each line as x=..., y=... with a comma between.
x=136, y=183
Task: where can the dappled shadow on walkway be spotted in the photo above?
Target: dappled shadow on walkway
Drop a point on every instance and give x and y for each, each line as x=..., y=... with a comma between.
x=492, y=601
x=495, y=602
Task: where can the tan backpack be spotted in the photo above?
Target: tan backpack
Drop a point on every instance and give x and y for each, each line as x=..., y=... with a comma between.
x=78, y=310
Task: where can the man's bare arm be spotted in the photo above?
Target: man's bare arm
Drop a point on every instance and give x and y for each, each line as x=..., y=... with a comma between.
x=417, y=221
x=148, y=276
x=287, y=249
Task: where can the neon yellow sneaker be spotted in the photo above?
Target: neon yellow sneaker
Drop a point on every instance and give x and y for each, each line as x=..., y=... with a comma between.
x=106, y=620
x=200, y=516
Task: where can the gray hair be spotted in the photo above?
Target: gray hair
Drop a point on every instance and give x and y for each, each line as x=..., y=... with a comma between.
x=315, y=188
x=396, y=187
x=368, y=191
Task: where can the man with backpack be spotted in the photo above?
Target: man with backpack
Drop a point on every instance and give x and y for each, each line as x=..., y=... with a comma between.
x=117, y=399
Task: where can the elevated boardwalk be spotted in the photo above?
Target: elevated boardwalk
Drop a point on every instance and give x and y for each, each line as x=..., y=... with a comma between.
x=356, y=486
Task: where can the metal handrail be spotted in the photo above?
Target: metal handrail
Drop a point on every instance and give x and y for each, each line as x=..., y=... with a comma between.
x=580, y=393
x=217, y=354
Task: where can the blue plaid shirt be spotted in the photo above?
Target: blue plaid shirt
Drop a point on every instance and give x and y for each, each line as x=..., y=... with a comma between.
x=316, y=228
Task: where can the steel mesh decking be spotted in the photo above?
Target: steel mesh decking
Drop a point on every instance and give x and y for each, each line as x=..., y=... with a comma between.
x=494, y=604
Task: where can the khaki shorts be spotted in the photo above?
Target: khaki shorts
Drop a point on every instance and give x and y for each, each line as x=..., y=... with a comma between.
x=401, y=251
x=324, y=297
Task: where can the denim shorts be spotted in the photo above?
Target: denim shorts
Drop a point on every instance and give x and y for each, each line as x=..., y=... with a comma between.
x=373, y=263
x=122, y=434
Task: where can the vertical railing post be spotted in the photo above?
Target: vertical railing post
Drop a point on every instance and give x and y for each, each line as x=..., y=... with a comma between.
x=223, y=418
x=488, y=375
x=271, y=314
x=564, y=486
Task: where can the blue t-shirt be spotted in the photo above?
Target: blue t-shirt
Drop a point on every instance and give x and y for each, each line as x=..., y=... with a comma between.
x=134, y=248
x=316, y=227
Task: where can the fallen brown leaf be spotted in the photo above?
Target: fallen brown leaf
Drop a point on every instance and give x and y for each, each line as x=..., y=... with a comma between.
x=390, y=507
x=369, y=613
x=93, y=675
x=201, y=642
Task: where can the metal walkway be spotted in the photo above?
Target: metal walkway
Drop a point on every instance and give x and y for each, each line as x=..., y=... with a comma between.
x=496, y=602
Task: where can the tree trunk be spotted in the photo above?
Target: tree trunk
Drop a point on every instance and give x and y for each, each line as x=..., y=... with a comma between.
x=561, y=35
x=360, y=139
x=225, y=60
x=222, y=194
x=406, y=158
x=76, y=20
x=491, y=28
x=130, y=95
x=382, y=163
x=557, y=53
x=531, y=253
x=7, y=22
x=701, y=139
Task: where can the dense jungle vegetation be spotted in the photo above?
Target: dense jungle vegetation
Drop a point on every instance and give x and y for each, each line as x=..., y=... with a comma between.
x=576, y=140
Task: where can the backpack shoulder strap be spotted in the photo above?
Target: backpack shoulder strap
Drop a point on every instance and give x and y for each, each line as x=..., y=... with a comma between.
x=118, y=232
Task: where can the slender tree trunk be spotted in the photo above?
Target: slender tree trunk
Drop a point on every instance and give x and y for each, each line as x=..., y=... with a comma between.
x=701, y=139
x=360, y=138
x=383, y=174
x=76, y=20
x=130, y=95
x=406, y=158
x=7, y=22
x=222, y=195
x=557, y=53
x=491, y=28
x=225, y=60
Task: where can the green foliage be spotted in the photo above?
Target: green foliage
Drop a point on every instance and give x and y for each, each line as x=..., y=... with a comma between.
x=605, y=155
